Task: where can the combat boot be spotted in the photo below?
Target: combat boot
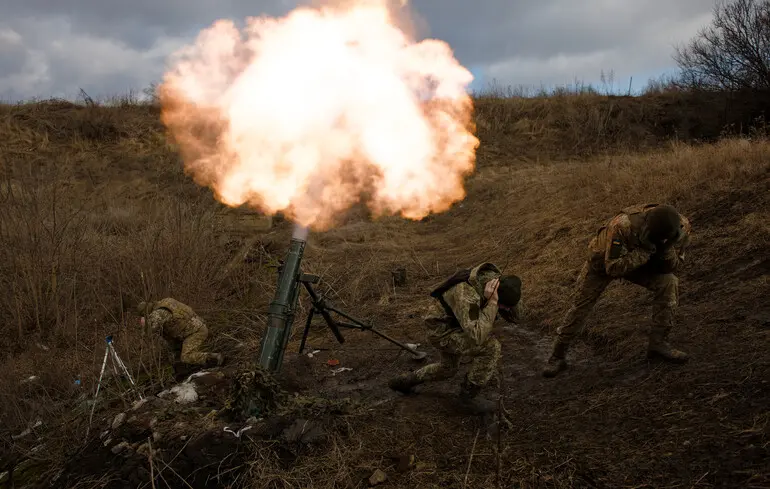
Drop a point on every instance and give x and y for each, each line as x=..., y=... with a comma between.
x=660, y=348
x=557, y=362
x=405, y=383
x=470, y=399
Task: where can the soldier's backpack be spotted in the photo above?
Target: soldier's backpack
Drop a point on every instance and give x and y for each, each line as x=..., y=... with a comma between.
x=458, y=277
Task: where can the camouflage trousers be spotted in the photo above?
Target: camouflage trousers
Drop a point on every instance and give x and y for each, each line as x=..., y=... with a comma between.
x=592, y=283
x=191, y=346
x=452, y=348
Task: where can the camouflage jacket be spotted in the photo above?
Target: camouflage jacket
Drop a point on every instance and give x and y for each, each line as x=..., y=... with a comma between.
x=469, y=309
x=174, y=319
x=618, y=247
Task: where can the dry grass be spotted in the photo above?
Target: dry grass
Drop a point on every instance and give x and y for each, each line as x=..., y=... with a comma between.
x=96, y=214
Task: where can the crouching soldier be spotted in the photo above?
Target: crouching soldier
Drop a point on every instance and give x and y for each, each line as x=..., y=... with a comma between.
x=178, y=323
x=645, y=245
x=466, y=307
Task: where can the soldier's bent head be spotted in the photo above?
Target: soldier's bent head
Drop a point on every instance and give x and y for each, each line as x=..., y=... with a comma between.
x=508, y=296
x=509, y=290
x=662, y=223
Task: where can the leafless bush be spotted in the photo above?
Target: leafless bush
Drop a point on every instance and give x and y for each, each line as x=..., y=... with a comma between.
x=733, y=52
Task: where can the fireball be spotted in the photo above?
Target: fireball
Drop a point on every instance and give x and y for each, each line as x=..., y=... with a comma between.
x=316, y=111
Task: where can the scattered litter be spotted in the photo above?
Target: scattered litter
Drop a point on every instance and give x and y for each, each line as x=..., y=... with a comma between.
x=118, y=421
x=378, y=477
x=310, y=355
x=333, y=362
x=37, y=449
x=413, y=346
x=185, y=393
x=196, y=375
x=139, y=403
x=42, y=347
x=29, y=379
x=340, y=370
x=27, y=431
x=239, y=432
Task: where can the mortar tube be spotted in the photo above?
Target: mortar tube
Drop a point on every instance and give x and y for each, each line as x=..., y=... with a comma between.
x=280, y=312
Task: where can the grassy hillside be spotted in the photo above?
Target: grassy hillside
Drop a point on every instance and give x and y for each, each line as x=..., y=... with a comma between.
x=97, y=213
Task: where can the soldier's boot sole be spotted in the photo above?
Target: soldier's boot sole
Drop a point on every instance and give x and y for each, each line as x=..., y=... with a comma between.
x=554, y=367
x=404, y=383
x=667, y=354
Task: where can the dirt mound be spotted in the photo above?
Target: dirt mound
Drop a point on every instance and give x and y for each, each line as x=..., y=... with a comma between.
x=207, y=427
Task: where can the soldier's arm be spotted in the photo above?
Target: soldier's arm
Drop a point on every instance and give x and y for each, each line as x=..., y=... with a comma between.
x=622, y=256
x=474, y=320
x=157, y=318
x=673, y=255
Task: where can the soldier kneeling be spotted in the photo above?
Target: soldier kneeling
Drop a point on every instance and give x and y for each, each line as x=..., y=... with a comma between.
x=465, y=309
x=178, y=323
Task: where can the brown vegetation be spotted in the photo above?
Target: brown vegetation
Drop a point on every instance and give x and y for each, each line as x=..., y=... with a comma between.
x=97, y=213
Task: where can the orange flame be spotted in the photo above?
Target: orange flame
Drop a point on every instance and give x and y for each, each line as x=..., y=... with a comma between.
x=313, y=112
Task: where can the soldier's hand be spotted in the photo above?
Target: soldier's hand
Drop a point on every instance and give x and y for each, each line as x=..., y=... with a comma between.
x=671, y=242
x=646, y=244
x=490, y=290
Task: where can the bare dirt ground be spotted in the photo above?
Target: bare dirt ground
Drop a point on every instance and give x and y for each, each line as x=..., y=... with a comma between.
x=613, y=420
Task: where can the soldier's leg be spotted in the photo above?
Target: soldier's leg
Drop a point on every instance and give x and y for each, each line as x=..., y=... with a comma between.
x=665, y=290
x=445, y=368
x=485, y=360
x=192, y=352
x=588, y=289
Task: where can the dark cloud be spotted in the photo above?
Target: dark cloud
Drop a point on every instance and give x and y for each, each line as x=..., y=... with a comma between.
x=54, y=47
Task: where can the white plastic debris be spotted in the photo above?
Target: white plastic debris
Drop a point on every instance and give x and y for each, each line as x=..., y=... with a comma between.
x=27, y=431
x=312, y=353
x=185, y=393
x=118, y=420
x=29, y=379
x=196, y=375
x=141, y=402
x=340, y=370
x=238, y=433
x=413, y=346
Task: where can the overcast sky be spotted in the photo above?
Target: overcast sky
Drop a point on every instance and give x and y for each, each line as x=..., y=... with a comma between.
x=108, y=47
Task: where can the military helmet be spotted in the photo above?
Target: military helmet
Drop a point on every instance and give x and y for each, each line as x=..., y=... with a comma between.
x=509, y=290
x=663, y=222
x=142, y=307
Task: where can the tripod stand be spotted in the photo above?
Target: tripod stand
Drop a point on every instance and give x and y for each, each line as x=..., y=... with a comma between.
x=118, y=368
x=322, y=307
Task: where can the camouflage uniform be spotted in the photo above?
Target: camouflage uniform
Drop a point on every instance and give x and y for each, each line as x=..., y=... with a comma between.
x=460, y=326
x=617, y=251
x=177, y=322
